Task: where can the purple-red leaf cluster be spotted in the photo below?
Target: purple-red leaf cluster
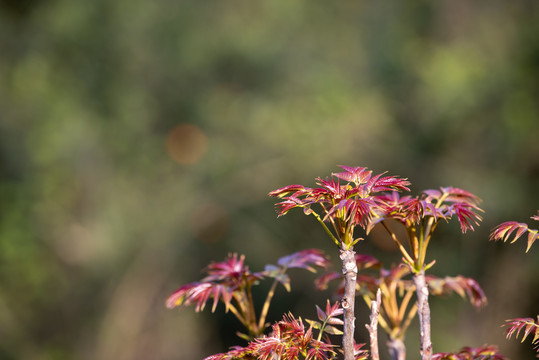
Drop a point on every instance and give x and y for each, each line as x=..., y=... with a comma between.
x=449, y=201
x=367, y=184
x=528, y=326
x=465, y=287
x=485, y=352
x=232, y=275
x=350, y=202
x=288, y=340
x=304, y=259
x=331, y=313
x=328, y=318
x=515, y=229
x=222, y=280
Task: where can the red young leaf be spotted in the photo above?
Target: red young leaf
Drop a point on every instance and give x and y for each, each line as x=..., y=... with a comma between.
x=459, y=284
x=331, y=189
x=507, y=229
x=401, y=208
x=236, y=352
x=321, y=314
x=232, y=270
x=356, y=210
x=267, y=347
x=321, y=283
x=320, y=351
x=287, y=341
x=350, y=203
x=284, y=191
x=452, y=195
x=460, y=195
x=449, y=201
x=466, y=215
x=305, y=259
x=359, y=353
x=485, y=352
x=527, y=325
x=334, y=310
x=357, y=175
x=200, y=293
x=222, y=280
x=388, y=183
x=291, y=202
x=365, y=261
x=179, y=297
x=430, y=209
x=329, y=318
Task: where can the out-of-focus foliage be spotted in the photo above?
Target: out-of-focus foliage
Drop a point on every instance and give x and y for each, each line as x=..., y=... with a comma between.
x=138, y=141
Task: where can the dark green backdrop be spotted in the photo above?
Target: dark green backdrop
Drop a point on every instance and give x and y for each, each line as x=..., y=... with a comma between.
x=139, y=140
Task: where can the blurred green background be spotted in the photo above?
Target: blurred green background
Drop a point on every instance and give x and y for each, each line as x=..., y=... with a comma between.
x=139, y=140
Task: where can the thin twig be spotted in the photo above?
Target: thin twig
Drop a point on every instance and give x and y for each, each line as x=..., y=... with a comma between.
x=381, y=320
x=404, y=303
x=326, y=228
x=251, y=314
x=402, y=249
x=236, y=313
x=373, y=327
x=266, y=306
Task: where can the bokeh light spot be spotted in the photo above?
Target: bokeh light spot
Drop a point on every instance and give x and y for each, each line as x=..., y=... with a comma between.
x=187, y=144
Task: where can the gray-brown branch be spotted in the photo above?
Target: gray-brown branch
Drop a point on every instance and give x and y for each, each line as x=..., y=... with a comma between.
x=373, y=327
x=423, y=310
x=349, y=269
x=397, y=349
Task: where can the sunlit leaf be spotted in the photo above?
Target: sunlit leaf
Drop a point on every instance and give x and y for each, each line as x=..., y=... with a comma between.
x=515, y=229
x=388, y=183
x=357, y=175
x=235, y=353
x=286, y=190
x=199, y=293
x=466, y=214
x=314, y=324
x=332, y=330
x=267, y=347
x=332, y=311
x=320, y=351
x=320, y=314
x=344, y=205
x=449, y=201
x=233, y=270
x=528, y=326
